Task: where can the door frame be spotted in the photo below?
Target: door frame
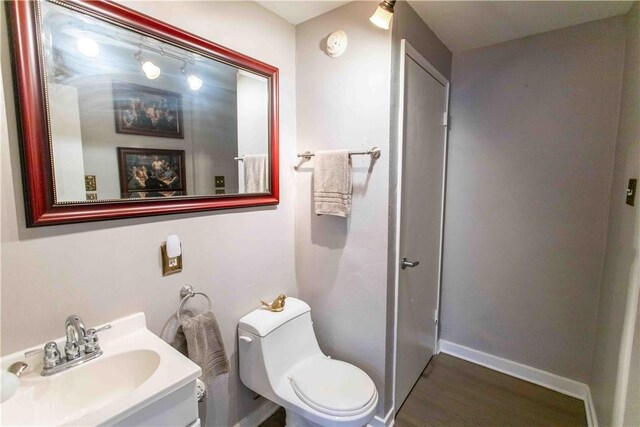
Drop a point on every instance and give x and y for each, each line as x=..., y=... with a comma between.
x=408, y=51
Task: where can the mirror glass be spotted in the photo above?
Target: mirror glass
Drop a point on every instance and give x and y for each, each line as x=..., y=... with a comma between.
x=132, y=117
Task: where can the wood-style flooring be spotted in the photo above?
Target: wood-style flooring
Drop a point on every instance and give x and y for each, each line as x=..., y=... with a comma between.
x=275, y=420
x=453, y=392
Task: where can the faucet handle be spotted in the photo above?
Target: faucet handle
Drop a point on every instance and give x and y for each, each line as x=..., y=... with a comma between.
x=51, y=355
x=102, y=328
x=32, y=352
x=92, y=344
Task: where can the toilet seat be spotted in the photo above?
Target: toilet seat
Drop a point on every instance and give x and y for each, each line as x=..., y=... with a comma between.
x=333, y=387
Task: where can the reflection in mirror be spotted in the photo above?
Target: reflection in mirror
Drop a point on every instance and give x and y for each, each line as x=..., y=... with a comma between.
x=134, y=117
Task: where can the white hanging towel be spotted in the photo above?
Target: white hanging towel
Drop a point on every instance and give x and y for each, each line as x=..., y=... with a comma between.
x=332, y=183
x=256, y=173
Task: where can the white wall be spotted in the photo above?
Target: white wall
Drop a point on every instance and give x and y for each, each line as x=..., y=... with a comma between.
x=65, y=130
x=253, y=119
x=616, y=358
x=215, y=132
x=343, y=103
x=109, y=269
x=533, y=131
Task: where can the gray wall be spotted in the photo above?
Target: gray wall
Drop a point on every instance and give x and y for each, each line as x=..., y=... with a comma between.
x=253, y=119
x=406, y=25
x=346, y=102
x=617, y=314
x=105, y=270
x=534, y=124
x=343, y=103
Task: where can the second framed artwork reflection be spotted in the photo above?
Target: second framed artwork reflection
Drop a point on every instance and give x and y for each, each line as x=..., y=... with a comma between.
x=151, y=172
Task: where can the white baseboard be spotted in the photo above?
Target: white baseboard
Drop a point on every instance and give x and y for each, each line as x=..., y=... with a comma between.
x=533, y=375
x=258, y=416
x=387, y=421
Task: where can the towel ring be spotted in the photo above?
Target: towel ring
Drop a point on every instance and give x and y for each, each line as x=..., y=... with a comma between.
x=187, y=292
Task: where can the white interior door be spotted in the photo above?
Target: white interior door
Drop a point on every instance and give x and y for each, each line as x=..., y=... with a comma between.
x=421, y=213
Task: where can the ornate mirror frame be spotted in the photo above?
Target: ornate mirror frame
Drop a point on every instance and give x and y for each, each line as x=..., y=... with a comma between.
x=36, y=153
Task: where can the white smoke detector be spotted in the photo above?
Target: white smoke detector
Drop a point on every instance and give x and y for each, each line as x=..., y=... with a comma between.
x=336, y=44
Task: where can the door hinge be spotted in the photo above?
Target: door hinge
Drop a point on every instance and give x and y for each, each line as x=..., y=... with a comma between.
x=445, y=119
x=435, y=316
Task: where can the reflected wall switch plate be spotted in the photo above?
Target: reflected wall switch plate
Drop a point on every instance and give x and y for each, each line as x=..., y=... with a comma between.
x=220, y=191
x=219, y=181
x=90, y=183
x=631, y=191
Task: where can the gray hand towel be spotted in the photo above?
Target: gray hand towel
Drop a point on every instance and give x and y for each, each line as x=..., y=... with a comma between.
x=199, y=339
x=332, y=183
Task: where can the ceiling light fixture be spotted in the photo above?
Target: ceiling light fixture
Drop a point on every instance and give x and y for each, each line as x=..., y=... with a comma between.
x=88, y=47
x=150, y=70
x=195, y=83
x=383, y=14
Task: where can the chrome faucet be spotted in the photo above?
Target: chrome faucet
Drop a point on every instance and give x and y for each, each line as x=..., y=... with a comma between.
x=76, y=334
x=82, y=345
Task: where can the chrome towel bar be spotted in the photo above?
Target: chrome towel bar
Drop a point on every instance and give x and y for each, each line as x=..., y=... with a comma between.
x=375, y=153
x=187, y=292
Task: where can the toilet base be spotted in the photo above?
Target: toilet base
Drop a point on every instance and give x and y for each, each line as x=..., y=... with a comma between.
x=294, y=419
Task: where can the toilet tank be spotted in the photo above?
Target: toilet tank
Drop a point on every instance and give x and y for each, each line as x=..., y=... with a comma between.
x=271, y=343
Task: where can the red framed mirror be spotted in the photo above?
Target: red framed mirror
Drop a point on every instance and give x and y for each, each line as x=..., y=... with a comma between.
x=198, y=122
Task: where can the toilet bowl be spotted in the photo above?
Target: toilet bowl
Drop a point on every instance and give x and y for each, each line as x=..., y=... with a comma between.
x=280, y=359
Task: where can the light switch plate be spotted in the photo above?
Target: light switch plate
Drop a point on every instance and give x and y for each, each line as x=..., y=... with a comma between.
x=219, y=181
x=167, y=268
x=631, y=191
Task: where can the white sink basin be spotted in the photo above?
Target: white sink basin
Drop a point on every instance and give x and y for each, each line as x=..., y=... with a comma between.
x=136, y=369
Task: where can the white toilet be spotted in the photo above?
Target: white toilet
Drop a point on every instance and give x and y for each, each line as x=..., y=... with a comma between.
x=281, y=360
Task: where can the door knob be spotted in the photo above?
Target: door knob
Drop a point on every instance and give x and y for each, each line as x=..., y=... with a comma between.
x=406, y=263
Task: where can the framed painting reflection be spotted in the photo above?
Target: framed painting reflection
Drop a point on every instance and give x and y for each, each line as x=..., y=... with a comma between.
x=142, y=110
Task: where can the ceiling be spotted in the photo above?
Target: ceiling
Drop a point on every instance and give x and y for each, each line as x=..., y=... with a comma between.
x=464, y=25
x=298, y=11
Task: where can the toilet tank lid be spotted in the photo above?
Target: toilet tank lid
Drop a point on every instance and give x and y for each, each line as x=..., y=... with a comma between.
x=262, y=321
